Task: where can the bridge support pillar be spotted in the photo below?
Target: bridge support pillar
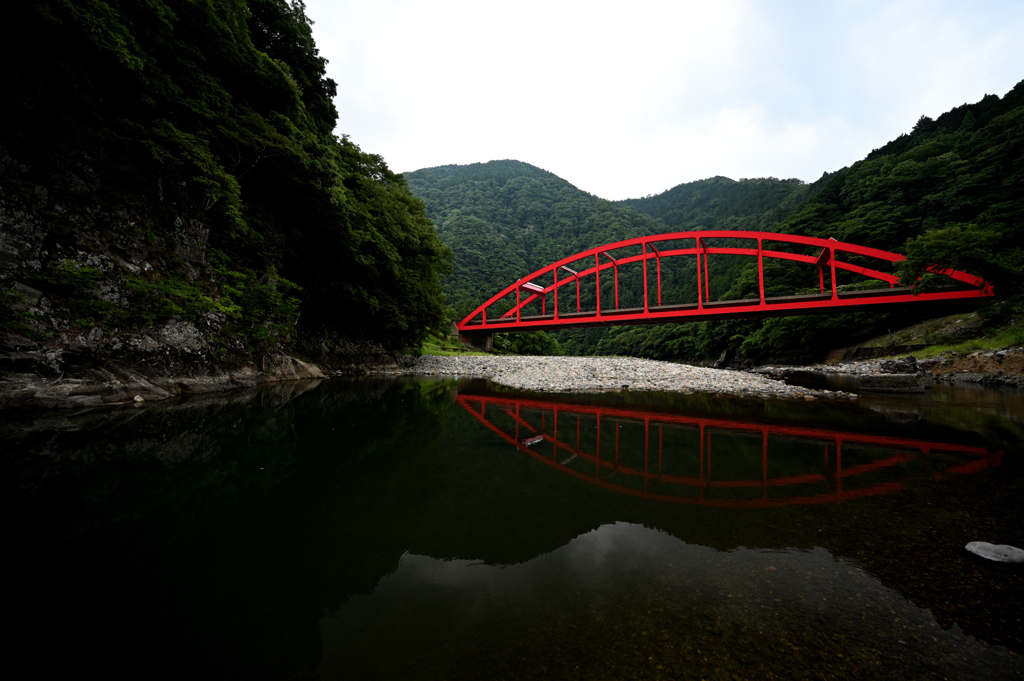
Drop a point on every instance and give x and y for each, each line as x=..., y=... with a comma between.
x=478, y=341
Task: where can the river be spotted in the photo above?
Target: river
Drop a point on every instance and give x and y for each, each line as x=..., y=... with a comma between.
x=413, y=528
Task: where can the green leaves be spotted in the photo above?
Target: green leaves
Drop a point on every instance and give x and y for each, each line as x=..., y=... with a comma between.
x=505, y=219
x=982, y=251
x=220, y=112
x=528, y=343
x=105, y=27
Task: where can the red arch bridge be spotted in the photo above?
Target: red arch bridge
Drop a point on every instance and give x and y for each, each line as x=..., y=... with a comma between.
x=717, y=461
x=568, y=292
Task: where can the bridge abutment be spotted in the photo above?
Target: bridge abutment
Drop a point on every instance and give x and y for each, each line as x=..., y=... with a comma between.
x=478, y=341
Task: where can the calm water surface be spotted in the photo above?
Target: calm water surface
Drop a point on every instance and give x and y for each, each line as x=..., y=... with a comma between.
x=424, y=529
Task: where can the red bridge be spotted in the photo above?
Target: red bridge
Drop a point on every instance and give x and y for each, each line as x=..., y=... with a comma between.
x=668, y=457
x=553, y=296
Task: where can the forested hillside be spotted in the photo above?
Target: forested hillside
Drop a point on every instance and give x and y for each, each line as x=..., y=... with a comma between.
x=170, y=160
x=721, y=203
x=951, y=192
x=505, y=219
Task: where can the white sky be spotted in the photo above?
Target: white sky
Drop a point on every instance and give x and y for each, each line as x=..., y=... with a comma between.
x=625, y=99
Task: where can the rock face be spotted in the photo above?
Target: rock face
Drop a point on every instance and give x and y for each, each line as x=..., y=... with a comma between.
x=340, y=355
x=1002, y=367
x=900, y=365
x=175, y=359
x=995, y=367
x=288, y=368
x=135, y=377
x=103, y=303
x=71, y=263
x=1001, y=553
x=171, y=359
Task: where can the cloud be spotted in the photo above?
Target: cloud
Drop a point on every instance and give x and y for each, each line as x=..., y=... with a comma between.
x=625, y=100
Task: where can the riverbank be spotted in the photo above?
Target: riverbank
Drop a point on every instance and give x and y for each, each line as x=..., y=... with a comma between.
x=999, y=367
x=604, y=374
x=171, y=360
x=32, y=375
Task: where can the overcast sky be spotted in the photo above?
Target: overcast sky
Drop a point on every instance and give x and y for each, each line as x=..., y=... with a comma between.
x=625, y=99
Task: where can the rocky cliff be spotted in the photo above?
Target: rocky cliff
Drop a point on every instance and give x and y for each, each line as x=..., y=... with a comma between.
x=104, y=303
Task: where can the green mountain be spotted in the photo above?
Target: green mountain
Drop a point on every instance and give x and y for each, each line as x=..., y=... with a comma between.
x=949, y=192
x=721, y=203
x=505, y=219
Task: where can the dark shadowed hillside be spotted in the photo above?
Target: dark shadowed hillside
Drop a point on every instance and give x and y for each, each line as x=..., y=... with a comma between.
x=173, y=198
x=171, y=162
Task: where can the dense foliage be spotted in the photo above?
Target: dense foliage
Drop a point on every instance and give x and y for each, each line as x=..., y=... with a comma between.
x=221, y=111
x=528, y=343
x=721, y=203
x=505, y=219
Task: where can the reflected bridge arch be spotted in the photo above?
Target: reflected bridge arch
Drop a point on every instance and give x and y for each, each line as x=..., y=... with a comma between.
x=669, y=457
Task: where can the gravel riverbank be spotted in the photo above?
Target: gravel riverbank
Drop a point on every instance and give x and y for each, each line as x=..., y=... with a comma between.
x=602, y=374
x=1003, y=367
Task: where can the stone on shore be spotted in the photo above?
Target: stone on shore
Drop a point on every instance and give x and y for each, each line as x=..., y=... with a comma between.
x=1001, y=553
x=895, y=383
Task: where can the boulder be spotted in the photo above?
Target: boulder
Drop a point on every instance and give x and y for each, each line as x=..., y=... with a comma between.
x=286, y=368
x=900, y=365
x=1001, y=553
x=894, y=383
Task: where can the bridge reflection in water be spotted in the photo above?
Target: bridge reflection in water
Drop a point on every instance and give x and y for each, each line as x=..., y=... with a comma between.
x=714, y=461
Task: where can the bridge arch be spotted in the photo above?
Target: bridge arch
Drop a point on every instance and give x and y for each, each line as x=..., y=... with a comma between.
x=827, y=256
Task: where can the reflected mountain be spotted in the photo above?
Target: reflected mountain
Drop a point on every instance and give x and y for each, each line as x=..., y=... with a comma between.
x=626, y=601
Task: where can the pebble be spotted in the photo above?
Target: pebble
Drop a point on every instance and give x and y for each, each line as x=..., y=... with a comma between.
x=603, y=374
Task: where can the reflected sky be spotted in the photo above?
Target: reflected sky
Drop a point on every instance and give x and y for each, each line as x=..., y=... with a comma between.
x=624, y=599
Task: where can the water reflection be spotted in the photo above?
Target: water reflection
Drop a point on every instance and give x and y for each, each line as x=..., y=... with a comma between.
x=626, y=601
x=1006, y=402
x=669, y=457
x=376, y=525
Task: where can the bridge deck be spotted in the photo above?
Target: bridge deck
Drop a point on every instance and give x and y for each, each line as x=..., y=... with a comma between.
x=691, y=308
